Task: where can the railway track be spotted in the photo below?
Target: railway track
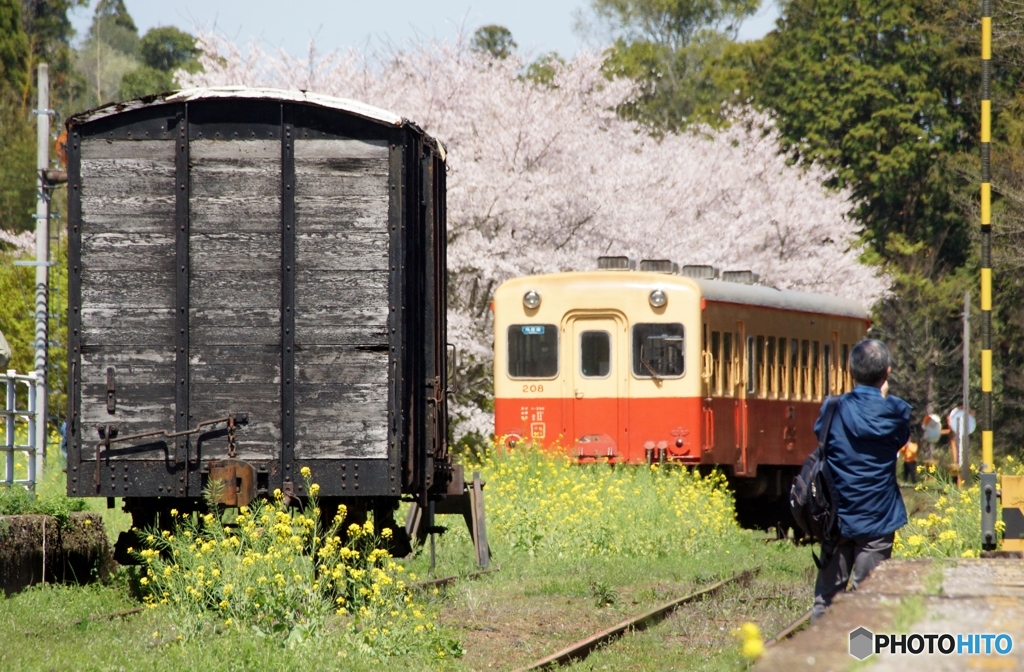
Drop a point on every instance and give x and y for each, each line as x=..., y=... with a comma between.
x=787, y=631
x=445, y=581
x=583, y=648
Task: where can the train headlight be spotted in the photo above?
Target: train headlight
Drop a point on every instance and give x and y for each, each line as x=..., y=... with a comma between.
x=658, y=298
x=531, y=299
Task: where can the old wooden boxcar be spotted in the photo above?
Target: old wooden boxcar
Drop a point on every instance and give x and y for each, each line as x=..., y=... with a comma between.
x=257, y=284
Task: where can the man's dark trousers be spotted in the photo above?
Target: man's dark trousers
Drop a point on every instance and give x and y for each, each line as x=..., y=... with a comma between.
x=859, y=555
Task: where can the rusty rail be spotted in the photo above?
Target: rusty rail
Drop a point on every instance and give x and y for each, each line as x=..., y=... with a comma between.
x=449, y=580
x=584, y=647
x=789, y=629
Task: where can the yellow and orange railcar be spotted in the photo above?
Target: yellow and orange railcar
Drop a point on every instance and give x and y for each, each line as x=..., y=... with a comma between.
x=641, y=366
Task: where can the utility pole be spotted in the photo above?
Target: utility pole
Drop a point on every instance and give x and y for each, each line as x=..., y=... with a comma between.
x=42, y=258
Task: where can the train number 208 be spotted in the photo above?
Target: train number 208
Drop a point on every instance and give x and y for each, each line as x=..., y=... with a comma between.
x=533, y=388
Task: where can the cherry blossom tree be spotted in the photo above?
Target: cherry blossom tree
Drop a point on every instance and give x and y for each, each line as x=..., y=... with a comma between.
x=19, y=243
x=546, y=177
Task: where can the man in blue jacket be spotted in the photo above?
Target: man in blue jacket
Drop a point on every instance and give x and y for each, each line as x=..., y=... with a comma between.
x=866, y=434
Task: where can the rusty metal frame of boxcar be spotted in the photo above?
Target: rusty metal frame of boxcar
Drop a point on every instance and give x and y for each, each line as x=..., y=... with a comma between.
x=184, y=478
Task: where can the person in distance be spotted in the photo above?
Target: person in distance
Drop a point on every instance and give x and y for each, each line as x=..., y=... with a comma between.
x=867, y=432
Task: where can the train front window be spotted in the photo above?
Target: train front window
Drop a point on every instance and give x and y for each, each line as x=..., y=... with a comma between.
x=595, y=354
x=532, y=351
x=657, y=350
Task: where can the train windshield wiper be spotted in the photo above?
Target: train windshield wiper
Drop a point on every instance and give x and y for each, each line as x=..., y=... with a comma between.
x=647, y=365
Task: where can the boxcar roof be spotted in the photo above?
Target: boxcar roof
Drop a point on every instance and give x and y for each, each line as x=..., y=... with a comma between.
x=186, y=95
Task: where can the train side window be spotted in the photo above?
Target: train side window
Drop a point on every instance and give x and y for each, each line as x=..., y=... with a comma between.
x=844, y=375
x=532, y=351
x=658, y=350
x=816, y=368
x=716, y=363
x=752, y=369
x=727, y=364
x=805, y=370
x=794, y=368
x=762, y=369
x=773, y=369
x=783, y=369
x=595, y=354
x=826, y=370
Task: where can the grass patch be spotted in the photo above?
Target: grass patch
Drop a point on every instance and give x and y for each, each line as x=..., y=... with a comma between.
x=50, y=496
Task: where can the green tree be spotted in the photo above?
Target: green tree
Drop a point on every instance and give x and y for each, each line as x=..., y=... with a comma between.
x=112, y=24
x=495, y=40
x=17, y=166
x=144, y=81
x=167, y=48
x=17, y=156
x=544, y=68
x=876, y=90
x=681, y=52
x=109, y=53
x=50, y=32
x=14, y=48
x=885, y=92
x=163, y=50
x=695, y=83
x=672, y=23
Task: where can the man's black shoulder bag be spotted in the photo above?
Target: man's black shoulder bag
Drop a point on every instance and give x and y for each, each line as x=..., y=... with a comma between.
x=812, y=498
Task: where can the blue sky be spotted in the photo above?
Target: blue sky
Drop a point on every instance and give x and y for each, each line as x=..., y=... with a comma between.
x=538, y=26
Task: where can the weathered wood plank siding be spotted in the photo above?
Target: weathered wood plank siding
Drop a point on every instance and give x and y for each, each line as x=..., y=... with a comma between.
x=127, y=263
x=235, y=291
x=341, y=299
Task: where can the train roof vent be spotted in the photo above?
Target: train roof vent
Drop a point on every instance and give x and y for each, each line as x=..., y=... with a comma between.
x=615, y=264
x=659, y=266
x=743, y=277
x=702, y=271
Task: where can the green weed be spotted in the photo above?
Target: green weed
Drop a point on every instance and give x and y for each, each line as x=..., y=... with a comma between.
x=274, y=571
x=950, y=526
x=544, y=504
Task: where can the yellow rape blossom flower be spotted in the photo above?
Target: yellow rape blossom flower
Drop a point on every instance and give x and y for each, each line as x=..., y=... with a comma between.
x=752, y=644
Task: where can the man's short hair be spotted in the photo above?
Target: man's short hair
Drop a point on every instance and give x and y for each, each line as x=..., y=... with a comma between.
x=869, y=361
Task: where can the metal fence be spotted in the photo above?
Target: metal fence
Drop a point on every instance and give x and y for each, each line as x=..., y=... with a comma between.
x=13, y=416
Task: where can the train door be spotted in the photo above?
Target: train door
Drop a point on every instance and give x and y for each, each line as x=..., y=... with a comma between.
x=724, y=412
x=596, y=375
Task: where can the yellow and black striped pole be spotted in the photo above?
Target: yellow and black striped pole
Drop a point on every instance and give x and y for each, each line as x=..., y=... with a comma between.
x=988, y=476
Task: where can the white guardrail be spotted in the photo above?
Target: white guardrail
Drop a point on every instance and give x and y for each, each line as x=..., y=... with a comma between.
x=12, y=416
